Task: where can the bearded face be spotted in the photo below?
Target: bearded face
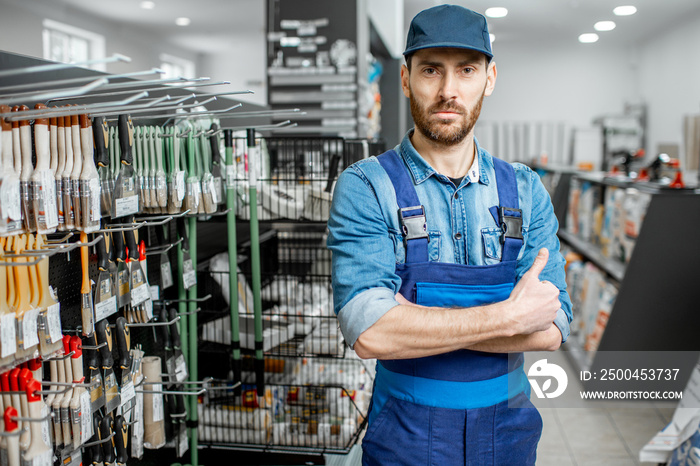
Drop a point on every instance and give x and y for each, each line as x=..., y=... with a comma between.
x=445, y=132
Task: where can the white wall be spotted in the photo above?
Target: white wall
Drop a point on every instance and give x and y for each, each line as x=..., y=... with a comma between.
x=21, y=32
x=669, y=77
x=387, y=17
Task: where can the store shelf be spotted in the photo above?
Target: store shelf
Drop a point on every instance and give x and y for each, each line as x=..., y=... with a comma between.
x=615, y=269
x=310, y=80
x=310, y=97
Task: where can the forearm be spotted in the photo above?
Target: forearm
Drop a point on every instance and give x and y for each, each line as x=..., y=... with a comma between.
x=548, y=340
x=411, y=331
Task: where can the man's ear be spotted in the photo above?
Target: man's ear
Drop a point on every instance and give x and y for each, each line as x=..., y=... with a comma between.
x=491, y=73
x=404, y=81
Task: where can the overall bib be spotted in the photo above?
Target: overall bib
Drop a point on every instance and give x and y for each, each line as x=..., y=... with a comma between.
x=457, y=408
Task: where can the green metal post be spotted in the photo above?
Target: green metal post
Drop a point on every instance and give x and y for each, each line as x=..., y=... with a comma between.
x=192, y=318
x=254, y=174
x=232, y=256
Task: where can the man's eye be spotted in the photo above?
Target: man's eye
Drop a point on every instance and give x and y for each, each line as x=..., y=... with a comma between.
x=468, y=70
x=430, y=71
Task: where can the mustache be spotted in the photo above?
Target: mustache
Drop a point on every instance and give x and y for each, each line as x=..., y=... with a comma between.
x=447, y=107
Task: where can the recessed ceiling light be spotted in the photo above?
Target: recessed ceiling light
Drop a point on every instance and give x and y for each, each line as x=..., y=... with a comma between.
x=496, y=12
x=183, y=21
x=146, y=5
x=492, y=37
x=625, y=10
x=604, y=26
x=588, y=38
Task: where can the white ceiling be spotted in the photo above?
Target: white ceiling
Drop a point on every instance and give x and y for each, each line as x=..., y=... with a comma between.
x=216, y=23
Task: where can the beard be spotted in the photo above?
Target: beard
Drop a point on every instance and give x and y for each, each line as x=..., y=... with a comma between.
x=440, y=131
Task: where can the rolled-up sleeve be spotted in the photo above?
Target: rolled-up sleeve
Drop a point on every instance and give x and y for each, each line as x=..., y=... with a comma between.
x=363, y=254
x=543, y=234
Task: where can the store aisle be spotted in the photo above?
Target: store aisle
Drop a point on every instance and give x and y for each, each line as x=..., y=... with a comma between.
x=602, y=435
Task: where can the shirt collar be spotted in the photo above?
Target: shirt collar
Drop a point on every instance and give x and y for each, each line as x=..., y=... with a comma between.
x=421, y=170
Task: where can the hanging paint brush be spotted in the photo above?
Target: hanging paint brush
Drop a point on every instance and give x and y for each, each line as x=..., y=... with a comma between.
x=176, y=177
x=123, y=280
x=149, y=132
x=68, y=210
x=27, y=336
x=8, y=344
x=25, y=149
x=209, y=200
x=56, y=167
x=87, y=311
x=139, y=282
x=49, y=317
x=217, y=163
x=77, y=170
x=141, y=179
x=104, y=336
x=60, y=168
x=42, y=182
x=89, y=180
x=12, y=441
x=101, y=138
x=160, y=178
x=193, y=187
x=105, y=300
x=10, y=199
x=189, y=277
x=97, y=394
x=125, y=199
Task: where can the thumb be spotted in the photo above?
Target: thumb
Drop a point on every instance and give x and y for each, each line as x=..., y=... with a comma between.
x=539, y=263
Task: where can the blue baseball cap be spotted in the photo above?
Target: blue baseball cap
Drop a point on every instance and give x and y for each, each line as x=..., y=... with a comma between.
x=449, y=26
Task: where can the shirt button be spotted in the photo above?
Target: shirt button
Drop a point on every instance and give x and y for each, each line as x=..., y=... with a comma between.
x=456, y=195
x=458, y=236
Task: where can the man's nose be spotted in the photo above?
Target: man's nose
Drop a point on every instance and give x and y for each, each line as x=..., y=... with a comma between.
x=448, y=87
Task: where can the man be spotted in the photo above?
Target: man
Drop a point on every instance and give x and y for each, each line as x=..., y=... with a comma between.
x=445, y=259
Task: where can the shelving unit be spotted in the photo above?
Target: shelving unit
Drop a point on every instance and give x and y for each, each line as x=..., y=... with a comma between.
x=656, y=306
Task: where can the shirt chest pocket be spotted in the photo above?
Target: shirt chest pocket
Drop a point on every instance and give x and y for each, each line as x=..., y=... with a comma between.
x=433, y=246
x=493, y=248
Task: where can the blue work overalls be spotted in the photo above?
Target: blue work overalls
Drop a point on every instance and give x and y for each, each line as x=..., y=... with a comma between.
x=458, y=408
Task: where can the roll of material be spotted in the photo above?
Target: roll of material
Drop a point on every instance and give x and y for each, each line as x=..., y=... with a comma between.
x=234, y=416
x=153, y=414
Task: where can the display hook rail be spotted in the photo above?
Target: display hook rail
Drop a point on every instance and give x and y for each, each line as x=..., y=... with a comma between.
x=63, y=82
x=43, y=254
x=44, y=95
x=59, y=66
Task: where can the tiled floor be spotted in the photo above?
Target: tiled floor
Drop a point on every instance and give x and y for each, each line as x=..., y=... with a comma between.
x=601, y=435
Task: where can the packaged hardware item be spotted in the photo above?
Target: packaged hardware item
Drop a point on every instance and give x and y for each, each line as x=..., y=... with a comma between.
x=605, y=304
x=635, y=207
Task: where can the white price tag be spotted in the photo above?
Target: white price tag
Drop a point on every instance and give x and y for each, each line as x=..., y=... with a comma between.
x=95, y=195
x=45, y=433
x=158, y=414
x=85, y=417
x=230, y=176
x=182, y=442
x=189, y=277
x=149, y=309
x=10, y=200
x=216, y=190
x=180, y=369
x=105, y=308
x=53, y=321
x=44, y=459
x=8, y=332
x=29, y=328
x=180, y=185
x=155, y=292
x=48, y=192
x=126, y=206
x=139, y=295
x=127, y=393
x=166, y=275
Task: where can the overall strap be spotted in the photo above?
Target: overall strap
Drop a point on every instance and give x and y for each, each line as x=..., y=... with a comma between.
x=411, y=212
x=508, y=213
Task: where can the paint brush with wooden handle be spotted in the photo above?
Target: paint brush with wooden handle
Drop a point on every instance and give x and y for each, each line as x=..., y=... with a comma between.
x=101, y=139
x=77, y=170
x=35, y=405
x=25, y=149
x=42, y=185
x=60, y=168
x=12, y=441
x=89, y=180
x=68, y=208
x=67, y=431
x=77, y=421
x=87, y=311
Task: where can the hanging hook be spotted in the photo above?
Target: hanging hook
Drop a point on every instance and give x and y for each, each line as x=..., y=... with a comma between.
x=58, y=66
x=44, y=95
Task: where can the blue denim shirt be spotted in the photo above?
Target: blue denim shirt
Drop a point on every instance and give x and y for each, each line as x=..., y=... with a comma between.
x=366, y=241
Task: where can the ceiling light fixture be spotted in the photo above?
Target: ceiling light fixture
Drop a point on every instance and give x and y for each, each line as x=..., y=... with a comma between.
x=625, y=10
x=146, y=5
x=604, y=26
x=496, y=12
x=183, y=21
x=588, y=38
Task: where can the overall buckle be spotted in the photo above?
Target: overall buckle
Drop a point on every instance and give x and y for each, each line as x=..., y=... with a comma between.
x=511, y=224
x=413, y=226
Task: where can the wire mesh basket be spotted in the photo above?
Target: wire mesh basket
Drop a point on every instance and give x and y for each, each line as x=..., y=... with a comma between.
x=296, y=174
x=297, y=299
x=309, y=405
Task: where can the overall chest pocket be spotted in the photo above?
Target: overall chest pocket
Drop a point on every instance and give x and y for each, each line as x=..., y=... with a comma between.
x=493, y=248
x=433, y=246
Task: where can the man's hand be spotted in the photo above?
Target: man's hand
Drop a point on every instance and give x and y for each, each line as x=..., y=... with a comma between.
x=534, y=303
